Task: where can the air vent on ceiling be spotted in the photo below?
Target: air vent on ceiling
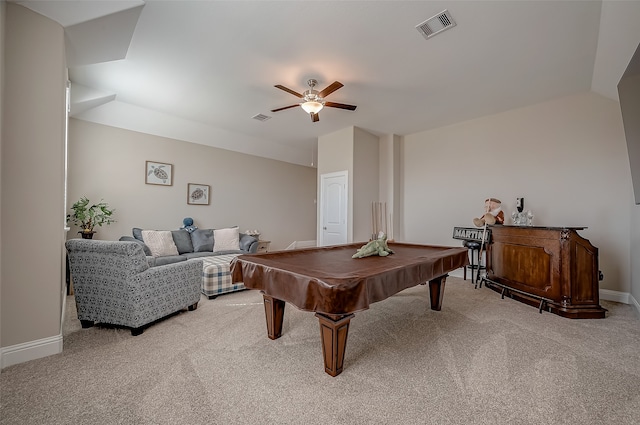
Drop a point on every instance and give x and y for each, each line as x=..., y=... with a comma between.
x=261, y=117
x=436, y=24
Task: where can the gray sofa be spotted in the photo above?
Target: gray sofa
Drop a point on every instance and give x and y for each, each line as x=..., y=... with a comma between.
x=114, y=284
x=199, y=243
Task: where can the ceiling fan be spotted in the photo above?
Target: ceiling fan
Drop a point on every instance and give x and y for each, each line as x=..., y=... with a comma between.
x=313, y=100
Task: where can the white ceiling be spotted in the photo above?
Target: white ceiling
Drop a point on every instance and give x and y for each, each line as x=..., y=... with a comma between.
x=199, y=70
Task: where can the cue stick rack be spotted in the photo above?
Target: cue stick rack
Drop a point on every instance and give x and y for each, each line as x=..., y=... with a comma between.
x=381, y=220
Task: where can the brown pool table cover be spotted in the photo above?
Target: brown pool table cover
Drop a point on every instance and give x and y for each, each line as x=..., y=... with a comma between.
x=327, y=280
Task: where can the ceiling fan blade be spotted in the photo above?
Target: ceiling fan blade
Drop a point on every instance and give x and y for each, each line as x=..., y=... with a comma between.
x=285, y=107
x=314, y=117
x=288, y=90
x=340, y=105
x=330, y=89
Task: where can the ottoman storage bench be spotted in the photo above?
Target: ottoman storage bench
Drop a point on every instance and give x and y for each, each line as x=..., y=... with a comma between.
x=216, y=276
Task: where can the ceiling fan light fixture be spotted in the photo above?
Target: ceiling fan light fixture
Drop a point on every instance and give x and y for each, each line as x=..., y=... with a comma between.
x=312, y=101
x=312, y=106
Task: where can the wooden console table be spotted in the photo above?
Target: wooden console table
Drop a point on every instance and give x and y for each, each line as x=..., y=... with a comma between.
x=550, y=267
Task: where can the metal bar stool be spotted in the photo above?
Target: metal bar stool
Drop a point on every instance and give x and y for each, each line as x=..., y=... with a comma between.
x=474, y=254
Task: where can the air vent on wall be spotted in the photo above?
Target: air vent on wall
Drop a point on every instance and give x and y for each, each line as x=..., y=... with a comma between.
x=261, y=117
x=436, y=24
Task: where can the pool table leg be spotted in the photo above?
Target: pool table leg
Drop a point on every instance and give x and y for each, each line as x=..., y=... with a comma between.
x=436, y=292
x=274, y=312
x=333, y=334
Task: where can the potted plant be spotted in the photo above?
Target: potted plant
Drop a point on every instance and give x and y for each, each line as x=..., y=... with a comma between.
x=87, y=217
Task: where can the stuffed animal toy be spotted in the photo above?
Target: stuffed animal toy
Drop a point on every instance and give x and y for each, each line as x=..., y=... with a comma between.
x=375, y=247
x=492, y=213
x=188, y=225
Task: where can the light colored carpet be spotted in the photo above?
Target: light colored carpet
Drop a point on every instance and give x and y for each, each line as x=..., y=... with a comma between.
x=481, y=360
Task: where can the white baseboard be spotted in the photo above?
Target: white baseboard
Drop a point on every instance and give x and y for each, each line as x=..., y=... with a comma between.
x=31, y=350
x=457, y=273
x=301, y=244
x=620, y=297
x=616, y=296
x=634, y=303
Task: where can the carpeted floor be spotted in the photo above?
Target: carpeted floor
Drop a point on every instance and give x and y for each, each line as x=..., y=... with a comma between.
x=481, y=360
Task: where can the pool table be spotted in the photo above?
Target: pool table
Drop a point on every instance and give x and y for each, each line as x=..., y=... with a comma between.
x=329, y=282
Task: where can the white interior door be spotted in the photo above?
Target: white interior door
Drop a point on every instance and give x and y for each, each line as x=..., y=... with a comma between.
x=333, y=208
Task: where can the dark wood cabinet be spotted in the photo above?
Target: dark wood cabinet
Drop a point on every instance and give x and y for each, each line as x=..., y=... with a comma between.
x=552, y=267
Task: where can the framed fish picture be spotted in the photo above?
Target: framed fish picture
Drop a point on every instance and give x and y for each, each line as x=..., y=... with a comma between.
x=158, y=173
x=198, y=194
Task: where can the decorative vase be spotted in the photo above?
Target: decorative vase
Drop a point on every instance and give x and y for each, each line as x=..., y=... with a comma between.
x=87, y=235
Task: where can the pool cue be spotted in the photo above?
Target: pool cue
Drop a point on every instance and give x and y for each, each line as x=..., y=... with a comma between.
x=484, y=235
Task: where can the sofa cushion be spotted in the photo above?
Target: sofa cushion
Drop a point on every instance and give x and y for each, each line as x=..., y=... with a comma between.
x=169, y=259
x=137, y=233
x=160, y=242
x=146, y=249
x=226, y=239
x=192, y=255
x=202, y=240
x=229, y=251
x=182, y=239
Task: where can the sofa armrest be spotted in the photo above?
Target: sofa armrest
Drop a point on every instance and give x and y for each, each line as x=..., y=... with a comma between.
x=183, y=270
x=163, y=261
x=162, y=290
x=248, y=243
x=146, y=249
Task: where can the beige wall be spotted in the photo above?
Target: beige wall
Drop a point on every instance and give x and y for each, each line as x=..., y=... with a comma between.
x=3, y=11
x=275, y=197
x=336, y=153
x=389, y=180
x=567, y=158
x=32, y=177
x=356, y=151
x=635, y=253
x=629, y=89
x=366, y=164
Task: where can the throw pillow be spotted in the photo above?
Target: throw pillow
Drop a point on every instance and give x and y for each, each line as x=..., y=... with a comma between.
x=137, y=233
x=202, y=240
x=160, y=242
x=226, y=239
x=182, y=239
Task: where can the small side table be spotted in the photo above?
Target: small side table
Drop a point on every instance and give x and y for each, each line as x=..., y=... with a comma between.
x=263, y=246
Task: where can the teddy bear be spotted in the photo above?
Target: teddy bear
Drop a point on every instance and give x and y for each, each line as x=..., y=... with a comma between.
x=492, y=213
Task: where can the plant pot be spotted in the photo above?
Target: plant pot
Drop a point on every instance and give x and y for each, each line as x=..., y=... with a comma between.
x=86, y=235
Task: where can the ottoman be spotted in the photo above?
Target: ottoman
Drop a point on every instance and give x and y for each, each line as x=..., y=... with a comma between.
x=216, y=276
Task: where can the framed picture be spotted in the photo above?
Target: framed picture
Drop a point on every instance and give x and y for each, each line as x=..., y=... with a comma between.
x=198, y=194
x=158, y=173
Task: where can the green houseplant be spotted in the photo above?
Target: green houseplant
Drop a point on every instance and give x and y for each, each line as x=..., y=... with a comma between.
x=87, y=217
